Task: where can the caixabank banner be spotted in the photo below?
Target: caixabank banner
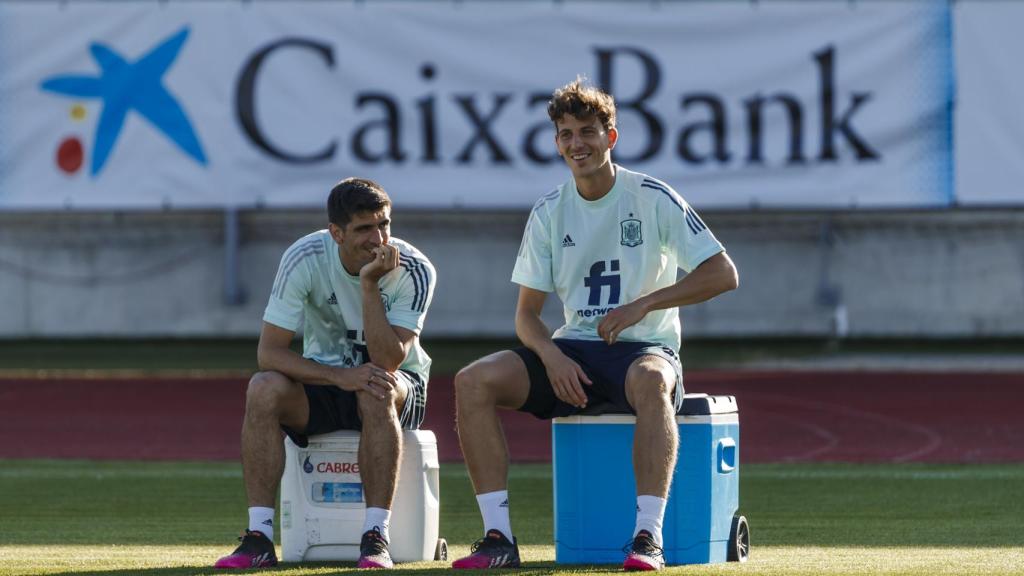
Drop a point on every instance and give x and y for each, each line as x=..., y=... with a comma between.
x=149, y=105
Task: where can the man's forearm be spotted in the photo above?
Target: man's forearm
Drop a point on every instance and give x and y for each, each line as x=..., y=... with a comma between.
x=293, y=365
x=534, y=334
x=713, y=277
x=385, y=347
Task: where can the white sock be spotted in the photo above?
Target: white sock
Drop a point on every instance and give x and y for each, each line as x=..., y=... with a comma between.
x=262, y=520
x=379, y=518
x=494, y=509
x=650, y=513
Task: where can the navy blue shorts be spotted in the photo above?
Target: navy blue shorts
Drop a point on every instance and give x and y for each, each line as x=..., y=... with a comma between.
x=605, y=365
x=331, y=408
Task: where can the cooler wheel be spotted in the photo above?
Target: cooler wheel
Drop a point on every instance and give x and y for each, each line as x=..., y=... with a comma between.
x=739, y=540
x=441, y=552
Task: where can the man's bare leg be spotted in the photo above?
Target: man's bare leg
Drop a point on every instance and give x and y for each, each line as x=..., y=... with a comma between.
x=272, y=399
x=380, y=452
x=380, y=445
x=649, y=385
x=496, y=381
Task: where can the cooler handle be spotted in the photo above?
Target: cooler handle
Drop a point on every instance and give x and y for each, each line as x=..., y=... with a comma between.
x=726, y=455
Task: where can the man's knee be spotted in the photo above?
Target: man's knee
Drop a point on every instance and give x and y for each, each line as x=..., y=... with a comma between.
x=487, y=382
x=498, y=380
x=475, y=385
x=650, y=389
x=268, y=391
x=375, y=411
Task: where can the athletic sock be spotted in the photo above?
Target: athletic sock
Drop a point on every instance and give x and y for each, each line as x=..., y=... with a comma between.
x=494, y=509
x=379, y=518
x=650, y=513
x=261, y=519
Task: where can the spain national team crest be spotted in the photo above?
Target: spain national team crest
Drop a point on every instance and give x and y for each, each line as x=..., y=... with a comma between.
x=631, y=233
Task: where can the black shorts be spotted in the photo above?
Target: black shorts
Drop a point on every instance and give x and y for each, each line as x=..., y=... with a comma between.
x=331, y=408
x=605, y=365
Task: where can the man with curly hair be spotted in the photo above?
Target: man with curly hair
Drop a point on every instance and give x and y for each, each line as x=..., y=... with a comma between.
x=608, y=242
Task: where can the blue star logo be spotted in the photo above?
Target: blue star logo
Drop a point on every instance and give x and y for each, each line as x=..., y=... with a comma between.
x=124, y=86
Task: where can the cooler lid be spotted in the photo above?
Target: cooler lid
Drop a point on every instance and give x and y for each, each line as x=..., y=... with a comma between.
x=704, y=405
x=693, y=405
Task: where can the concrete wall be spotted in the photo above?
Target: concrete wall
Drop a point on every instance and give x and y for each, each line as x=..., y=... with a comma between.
x=933, y=274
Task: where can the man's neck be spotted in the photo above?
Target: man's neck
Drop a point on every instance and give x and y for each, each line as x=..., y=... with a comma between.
x=596, y=186
x=345, y=265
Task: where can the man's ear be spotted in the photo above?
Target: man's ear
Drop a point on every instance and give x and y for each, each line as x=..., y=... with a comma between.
x=336, y=232
x=613, y=137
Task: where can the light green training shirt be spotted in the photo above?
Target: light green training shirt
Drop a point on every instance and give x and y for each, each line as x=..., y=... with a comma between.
x=312, y=283
x=597, y=255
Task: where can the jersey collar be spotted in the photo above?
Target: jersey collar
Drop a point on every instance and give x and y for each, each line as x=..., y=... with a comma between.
x=605, y=200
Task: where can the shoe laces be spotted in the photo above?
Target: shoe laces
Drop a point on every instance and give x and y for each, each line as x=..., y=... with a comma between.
x=251, y=541
x=373, y=543
x=488, y=543
x=643, y=543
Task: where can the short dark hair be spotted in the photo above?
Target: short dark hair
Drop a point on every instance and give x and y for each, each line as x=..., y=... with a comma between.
x=352, y=196
x=583, y=102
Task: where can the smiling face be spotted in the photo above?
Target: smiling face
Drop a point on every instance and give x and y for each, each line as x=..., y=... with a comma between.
x=586, y=146
x=357, y=239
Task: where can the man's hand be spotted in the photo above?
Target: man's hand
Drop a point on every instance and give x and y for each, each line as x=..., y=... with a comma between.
x=565, y=376
x=385, y=259
x=369, y=378
x=618, y=320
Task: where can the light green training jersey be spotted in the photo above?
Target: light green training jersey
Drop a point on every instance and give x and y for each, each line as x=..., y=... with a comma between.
x=597, y=255
x=312, y=282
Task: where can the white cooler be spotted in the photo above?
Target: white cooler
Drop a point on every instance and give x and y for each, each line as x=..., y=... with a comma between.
x=323, y=505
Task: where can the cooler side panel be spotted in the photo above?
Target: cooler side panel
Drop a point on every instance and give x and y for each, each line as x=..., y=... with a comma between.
x=725, y=483
x=688, y=512
x=416, y=507
x=595, y=509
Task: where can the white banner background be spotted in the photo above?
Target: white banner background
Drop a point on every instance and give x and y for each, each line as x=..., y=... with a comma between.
x=990, y=89
x=896, y=53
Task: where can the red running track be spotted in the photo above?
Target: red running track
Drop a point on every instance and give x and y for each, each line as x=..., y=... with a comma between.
x=784, y=417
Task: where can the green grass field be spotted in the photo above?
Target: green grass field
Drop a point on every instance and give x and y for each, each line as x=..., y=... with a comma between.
x=169, y=519
x=164, y=519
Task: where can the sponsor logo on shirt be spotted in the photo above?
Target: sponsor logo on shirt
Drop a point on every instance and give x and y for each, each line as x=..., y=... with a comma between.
x=592, y=312
x=598, y=280
x=567, y=241
x=603, y=274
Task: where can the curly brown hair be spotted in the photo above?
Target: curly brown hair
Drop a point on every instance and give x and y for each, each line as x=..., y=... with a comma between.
x=583, y=101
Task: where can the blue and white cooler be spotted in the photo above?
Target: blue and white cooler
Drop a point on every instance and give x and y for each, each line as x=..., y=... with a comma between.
x=595, y=491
